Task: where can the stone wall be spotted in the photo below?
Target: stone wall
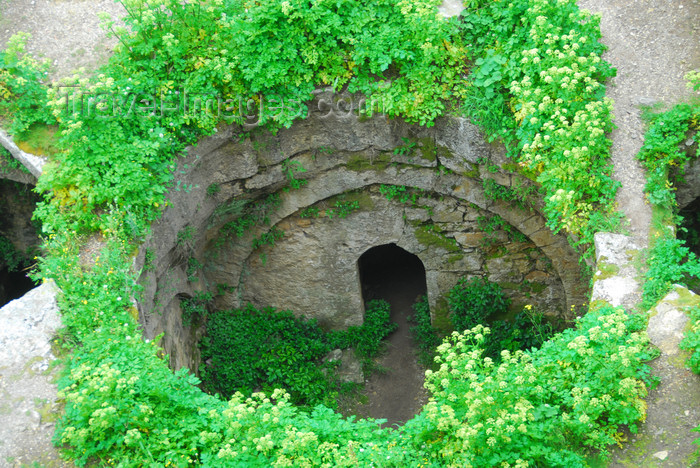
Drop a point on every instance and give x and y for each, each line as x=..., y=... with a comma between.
x=313, y=268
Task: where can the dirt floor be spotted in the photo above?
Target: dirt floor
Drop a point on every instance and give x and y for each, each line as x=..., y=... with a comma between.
x=395, y=392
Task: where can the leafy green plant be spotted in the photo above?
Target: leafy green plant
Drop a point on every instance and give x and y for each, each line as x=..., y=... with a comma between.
x=531, y=409
x=517, y=195
x=490, y=224
x=528, y=330
x=424, y=334
x=691, y=340
x=149, y=257
x=246, y=217
x=472, y=301
x=185, y=238
x=268, y=238
x=8, y=162
x=193, y=267
x=309, y=212
x=662, y=151
x=538, y=87
x=669, y=261
x=23, y=97
x=405, y=149
x=213, y=189
x=342, y=209
x=194, y=309
x=367, y=338
x=291, y=169
x=252, y=350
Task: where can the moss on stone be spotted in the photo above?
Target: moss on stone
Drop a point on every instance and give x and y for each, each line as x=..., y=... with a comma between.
x=495, y=252
x=605, y=270
x=441, y=317
x=363, y=199
x=597, y=304
x=685, y=299
x=362, y=162
x=473, y=172
x=680, y=359
x=48, y=411
x=518, y=169
x=455, y=258
x=430, y=236
x=443, y=152
x=39, y=139
x=537, y=288
x=427, y=149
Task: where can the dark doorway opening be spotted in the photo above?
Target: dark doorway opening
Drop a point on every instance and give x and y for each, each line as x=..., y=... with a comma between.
x=389, y=272
x=13, y=285
x=689, y=231
x=388, y=267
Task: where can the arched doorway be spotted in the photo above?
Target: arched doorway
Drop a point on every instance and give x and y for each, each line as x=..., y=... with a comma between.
x=386, y=270
x=389, y=272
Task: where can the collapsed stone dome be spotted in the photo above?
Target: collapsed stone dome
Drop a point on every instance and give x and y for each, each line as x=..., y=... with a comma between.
x=282, y=220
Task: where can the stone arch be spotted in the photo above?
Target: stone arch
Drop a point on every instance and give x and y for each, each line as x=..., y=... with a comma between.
x=446, y=163
x=322, y=251
x=340, y=179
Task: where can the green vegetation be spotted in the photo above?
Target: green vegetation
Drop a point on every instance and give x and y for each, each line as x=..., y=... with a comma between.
x=23, y=95
x=406, y=149
x=195, y=309
x=290, y=169
x=213, y=189
x=8, y=162
x=531, y=406
x=517, y=195
x=361, y=162
x=471, y=301
x=430, y=235
x=490, y=224
x=663, y=151
x=669, y=260
x=425, y=335
x=10, y=257
x=342, y=209
x=691, y=340
x=259, y=350
x=536, y=84
x=246, y=215
x=479, y=302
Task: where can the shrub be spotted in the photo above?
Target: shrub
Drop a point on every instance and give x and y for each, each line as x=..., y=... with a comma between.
x=528, y=330
x=367, y=339
x=669, y=262
x=23, y=97
x=472, y=301
x=424, y=334
x=251, y=350
x=538, y=408
x=691, y=340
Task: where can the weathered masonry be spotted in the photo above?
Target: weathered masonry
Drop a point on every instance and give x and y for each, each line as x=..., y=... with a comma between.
x=282, y=220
